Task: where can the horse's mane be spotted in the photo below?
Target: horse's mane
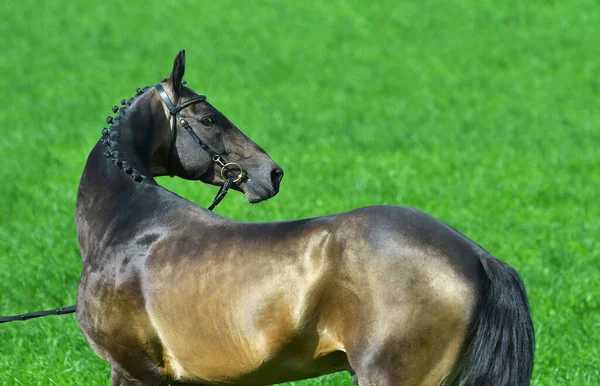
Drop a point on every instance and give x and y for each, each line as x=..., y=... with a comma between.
x=111, y=135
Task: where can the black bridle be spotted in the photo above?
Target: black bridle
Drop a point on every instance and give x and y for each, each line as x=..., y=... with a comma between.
x=216, y=158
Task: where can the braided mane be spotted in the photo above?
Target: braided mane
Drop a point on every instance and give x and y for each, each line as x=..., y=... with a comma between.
x=111, y=136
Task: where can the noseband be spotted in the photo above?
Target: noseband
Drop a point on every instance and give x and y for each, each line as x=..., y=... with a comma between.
x=216, y=158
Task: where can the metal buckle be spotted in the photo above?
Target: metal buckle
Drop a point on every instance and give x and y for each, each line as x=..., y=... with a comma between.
x=217, y=159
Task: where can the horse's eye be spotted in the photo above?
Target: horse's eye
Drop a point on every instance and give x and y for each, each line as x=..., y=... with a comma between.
x=207, y=121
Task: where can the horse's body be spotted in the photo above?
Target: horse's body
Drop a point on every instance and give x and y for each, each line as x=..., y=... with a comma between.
x=173, y=293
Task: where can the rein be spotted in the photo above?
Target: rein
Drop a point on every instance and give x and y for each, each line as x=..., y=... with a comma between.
x=216, y=158
x=37, y=314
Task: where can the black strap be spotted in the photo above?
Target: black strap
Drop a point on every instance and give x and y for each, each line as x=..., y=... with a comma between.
x=172, y=146
x=221, y=193
x=37, y=314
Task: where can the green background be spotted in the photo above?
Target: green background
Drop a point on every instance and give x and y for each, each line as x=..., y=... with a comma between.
x=484, y=114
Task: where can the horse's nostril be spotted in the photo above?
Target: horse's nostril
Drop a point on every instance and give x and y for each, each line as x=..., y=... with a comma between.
x=276, y=176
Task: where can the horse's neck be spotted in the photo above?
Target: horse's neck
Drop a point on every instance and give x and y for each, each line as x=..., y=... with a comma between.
x=116, y=171
x=110, y=202
x=120, y=161
x=103, y=177
x=103, y=188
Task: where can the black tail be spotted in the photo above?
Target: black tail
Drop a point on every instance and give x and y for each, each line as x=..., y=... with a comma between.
x=502, y=341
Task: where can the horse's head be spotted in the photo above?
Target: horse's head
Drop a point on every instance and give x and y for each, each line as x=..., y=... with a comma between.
x=205, y=141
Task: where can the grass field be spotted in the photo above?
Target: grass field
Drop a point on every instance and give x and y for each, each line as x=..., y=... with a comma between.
x=484, y=114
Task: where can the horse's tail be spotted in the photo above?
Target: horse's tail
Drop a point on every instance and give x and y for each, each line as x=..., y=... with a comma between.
x=502, y=341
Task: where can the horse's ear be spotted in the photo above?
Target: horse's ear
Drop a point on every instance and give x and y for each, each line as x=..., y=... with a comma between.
x=178, y=70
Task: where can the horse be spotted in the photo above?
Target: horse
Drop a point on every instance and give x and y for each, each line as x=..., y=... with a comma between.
x=172, y=293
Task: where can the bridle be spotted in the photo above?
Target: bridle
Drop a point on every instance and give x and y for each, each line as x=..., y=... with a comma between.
x=216, y=158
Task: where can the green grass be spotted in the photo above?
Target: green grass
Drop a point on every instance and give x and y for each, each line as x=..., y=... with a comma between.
x=484, y=114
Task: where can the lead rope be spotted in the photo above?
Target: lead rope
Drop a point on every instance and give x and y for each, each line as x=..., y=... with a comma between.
x=37, y=314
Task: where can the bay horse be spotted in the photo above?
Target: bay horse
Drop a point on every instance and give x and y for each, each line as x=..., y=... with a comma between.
x=172, y=293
